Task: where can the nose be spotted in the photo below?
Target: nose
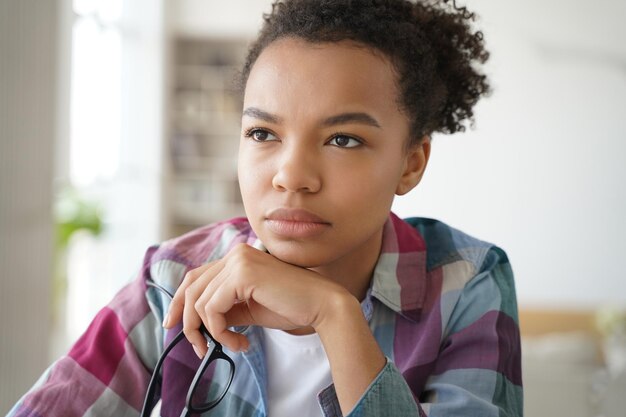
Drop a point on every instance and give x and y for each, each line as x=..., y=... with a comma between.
x=297, y=171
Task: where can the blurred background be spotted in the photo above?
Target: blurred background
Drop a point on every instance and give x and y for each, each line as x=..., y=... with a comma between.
x=119, y=128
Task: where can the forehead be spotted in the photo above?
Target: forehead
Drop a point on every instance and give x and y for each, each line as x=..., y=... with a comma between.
x=295, y=75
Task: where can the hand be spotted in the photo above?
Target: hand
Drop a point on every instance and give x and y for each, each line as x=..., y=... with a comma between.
x=250, y=287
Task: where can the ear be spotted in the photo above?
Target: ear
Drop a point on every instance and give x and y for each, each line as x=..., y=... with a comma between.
x=415, y=162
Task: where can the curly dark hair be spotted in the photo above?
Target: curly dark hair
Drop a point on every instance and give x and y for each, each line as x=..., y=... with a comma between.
x=430, y=43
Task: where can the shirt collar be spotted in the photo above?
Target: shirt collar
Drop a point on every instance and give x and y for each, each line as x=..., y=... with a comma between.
x=399, y=279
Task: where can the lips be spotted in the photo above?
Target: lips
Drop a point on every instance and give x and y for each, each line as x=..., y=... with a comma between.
x=295, y=215
x=295, y=223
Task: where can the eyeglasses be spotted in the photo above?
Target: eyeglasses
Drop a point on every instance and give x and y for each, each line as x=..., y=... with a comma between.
x=197, y=401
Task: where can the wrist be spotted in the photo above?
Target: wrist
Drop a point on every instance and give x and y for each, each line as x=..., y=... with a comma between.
x=340, y=308
x=353, y=353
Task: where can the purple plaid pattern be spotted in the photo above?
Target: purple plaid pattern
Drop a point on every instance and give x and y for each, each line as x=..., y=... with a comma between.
x=441, y=306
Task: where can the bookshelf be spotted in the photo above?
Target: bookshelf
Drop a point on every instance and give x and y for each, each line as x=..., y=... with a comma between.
x=204, y=130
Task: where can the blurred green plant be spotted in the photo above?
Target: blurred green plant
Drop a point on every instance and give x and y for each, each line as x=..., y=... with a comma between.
x=73, y=212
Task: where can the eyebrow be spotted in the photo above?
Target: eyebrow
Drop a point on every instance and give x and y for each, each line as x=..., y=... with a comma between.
x=260, y=114
x=343, y=118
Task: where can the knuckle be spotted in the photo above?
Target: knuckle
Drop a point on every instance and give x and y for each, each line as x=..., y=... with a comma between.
x=189, y=276
x=189, y=293
x=240, y=246
x=243, y=255
x=207, y=309
x=193, y=274
x=188, y=331
x=241, y=250
x=199, y=306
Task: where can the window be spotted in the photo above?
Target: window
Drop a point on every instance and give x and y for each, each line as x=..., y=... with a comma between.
x=115, y=147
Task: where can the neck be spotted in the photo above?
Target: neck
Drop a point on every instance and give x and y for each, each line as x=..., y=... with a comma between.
x=354, y=271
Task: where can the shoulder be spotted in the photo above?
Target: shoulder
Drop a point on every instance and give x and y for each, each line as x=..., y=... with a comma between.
x=168, y=262
x=446, y=246
x=474, y=273
x=205, y=243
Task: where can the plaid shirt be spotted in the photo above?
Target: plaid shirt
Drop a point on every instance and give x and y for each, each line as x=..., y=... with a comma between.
x=441, y=305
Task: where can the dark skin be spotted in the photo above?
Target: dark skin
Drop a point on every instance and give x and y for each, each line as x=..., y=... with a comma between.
x=320, y=137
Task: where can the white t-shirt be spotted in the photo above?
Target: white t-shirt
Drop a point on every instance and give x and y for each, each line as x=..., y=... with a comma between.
x=297, y=370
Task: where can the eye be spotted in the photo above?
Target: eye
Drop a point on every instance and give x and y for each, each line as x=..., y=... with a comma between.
x=260, y=135
x=344, y=141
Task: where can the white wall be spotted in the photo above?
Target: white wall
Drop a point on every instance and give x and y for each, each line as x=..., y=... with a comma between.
x=235, y=18
x=543, y=173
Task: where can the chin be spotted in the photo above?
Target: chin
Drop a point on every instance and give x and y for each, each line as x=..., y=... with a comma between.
x=296, y=254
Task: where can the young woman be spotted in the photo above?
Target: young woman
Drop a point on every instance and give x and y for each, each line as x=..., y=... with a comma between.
x=326, y=302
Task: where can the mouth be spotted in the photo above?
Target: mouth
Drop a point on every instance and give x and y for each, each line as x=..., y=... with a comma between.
x=295, y=223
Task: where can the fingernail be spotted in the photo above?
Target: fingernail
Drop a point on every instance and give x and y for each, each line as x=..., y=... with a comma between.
x=166, y=320
x=195, y=349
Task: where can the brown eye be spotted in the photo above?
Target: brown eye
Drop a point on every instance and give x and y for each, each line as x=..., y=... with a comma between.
x=343, y=141
x=261, y=135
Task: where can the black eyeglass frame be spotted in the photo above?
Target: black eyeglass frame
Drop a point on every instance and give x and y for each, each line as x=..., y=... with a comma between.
x=215, y=352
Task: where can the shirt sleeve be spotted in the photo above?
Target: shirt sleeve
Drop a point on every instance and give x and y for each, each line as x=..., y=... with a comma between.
x=388, y=395
x=108, y=369
x=478, y=370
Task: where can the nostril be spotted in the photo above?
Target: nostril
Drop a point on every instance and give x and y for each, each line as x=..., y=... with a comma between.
x=296, y=178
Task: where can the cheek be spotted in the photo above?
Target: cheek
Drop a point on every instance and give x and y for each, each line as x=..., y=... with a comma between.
x=252, y=173
x=374, y=179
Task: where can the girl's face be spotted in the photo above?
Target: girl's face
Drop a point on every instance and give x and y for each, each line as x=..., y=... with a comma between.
x=322, y=151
